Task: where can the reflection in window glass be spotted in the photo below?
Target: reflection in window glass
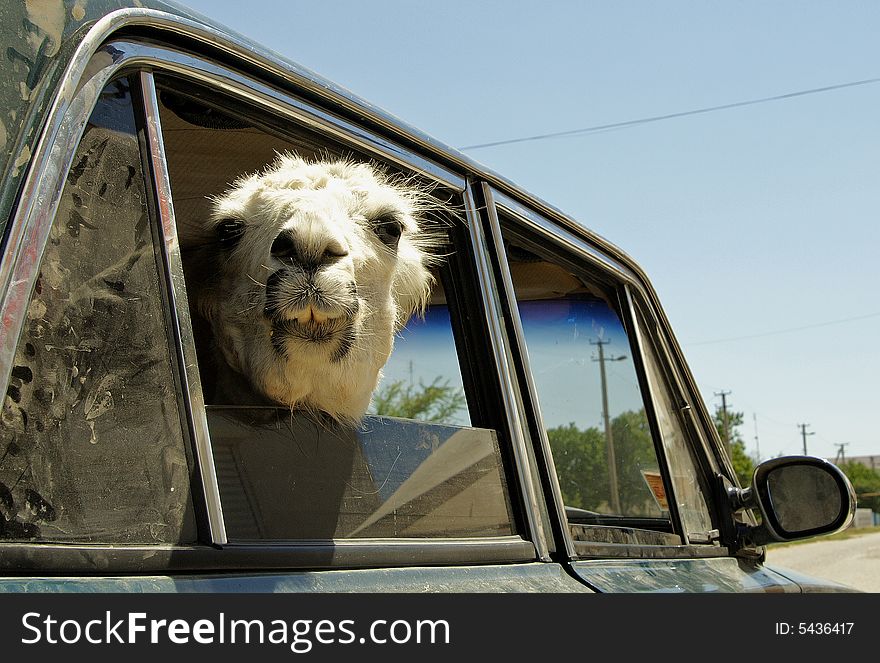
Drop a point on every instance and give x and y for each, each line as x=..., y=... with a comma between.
x=588, y=391
x=284, y=475
x=422, y=379
x=91, y=447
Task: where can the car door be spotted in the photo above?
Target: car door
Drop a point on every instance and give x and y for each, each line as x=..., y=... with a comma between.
x=114, y=457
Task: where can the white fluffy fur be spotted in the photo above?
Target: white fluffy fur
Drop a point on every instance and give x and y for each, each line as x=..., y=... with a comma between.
x=315, y=340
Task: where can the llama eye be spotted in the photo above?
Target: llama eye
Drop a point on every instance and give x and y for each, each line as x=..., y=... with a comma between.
x=388, y=229
x=229, y=231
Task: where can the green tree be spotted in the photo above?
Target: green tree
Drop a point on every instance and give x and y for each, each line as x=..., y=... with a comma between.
x=866, y=483
x=743, y=464
x=581, y=461
x=581, y=466
x=634, y=452
x=437, y=402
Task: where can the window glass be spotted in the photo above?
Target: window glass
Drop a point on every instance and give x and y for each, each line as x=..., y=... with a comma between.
x=589, y=393
x=414, y=466
x=683, y=470
x=285, y=476
x=421, y=379
x=91, y=448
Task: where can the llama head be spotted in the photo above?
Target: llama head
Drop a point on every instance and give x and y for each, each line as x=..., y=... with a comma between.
x=316, y=265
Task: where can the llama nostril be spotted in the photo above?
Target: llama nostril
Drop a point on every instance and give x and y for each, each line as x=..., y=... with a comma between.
x=333, y=253
x=284, y=246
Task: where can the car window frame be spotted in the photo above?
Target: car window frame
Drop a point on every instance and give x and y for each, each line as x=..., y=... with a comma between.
x=537, y=225
x=236, y=84
x=30, y=225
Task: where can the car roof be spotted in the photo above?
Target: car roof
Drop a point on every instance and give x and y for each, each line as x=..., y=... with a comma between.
x=44, y=40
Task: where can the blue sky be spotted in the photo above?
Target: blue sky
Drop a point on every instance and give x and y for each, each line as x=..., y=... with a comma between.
x=757, y=225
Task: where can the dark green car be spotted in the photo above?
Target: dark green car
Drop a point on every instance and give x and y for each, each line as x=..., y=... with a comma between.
x=537, y=430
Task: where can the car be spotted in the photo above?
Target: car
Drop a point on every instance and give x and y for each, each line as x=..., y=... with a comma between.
x=536, y=430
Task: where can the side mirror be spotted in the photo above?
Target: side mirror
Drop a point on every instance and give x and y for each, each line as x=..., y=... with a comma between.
x=798, y=497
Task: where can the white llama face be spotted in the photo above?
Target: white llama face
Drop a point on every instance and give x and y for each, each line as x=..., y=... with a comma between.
x=318, y=264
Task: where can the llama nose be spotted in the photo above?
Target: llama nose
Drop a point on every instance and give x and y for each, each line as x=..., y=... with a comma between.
x=288, y=247
x=284, y=246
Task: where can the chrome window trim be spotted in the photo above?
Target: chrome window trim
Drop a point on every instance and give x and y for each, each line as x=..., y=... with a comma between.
x=179, y=312
x=489, y=195
x=397, y=542
x=561, y=236
x=637, y=341
x=513, y=405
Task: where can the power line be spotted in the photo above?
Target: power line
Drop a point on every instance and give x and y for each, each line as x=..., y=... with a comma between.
x=669, y=116
x=785, y=331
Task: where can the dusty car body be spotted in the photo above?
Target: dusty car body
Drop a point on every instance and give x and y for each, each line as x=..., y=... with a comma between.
x=546, y=473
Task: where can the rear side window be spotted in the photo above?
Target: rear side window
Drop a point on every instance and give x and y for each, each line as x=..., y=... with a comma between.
x=92, y=448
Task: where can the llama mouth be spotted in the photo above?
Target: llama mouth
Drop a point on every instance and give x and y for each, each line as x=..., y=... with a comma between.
x=292, y=299
x=311, y=331
x=340, y=331
x=302, y=313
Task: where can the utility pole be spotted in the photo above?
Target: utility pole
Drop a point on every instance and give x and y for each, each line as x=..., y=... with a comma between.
x=840, y=458
x=725, y=422
x=609, y=441
x=804, y=434
x=757, y=446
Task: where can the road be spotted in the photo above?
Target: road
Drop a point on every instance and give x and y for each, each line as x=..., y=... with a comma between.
x=854, y=561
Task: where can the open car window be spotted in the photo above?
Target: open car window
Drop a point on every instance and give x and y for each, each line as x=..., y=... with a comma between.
x=108, y=439
x=416, y=466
